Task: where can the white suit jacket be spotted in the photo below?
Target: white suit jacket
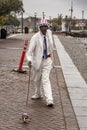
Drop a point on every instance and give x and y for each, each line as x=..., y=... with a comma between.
x=35, y=49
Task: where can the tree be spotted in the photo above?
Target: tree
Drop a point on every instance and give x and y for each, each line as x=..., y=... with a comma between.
x=6, y=6
x=57, y=21
x=3, y=20
x=12, y=21
x=60, y=17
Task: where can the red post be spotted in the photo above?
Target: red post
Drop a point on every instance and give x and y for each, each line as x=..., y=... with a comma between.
x=20, y=70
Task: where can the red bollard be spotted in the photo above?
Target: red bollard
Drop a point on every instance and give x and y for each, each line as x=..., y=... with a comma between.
x=22, y=57
x=20, y=70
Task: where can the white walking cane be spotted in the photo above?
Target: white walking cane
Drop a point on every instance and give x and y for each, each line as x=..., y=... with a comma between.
x=28, y=86
x=25, y=115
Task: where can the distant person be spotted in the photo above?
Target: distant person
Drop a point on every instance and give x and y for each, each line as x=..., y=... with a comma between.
x=40, y=57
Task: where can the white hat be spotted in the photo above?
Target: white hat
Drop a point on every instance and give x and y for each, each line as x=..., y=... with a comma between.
x=43, y=22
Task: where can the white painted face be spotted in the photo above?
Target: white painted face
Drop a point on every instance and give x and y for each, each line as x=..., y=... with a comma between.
x=44, y=29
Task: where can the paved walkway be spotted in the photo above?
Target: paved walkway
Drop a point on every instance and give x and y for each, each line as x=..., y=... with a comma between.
x=13, y=90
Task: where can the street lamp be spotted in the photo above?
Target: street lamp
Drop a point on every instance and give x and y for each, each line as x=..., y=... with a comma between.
x=82, y=14
x=82, y=19
x=43, y=15
x=35, y=14
x=71, y=10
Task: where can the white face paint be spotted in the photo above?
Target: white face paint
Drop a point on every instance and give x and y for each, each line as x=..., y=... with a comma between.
x=43, y=29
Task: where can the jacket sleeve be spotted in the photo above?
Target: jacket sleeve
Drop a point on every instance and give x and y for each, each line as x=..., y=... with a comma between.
x=31, y=47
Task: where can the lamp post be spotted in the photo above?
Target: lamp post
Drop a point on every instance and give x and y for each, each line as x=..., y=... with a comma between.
x=35, y=14
x=22, y=18
x=82, y=19
x=22, y=21
x=50, y=22
x=71, y=10
x=82, y=14
x=43, y=15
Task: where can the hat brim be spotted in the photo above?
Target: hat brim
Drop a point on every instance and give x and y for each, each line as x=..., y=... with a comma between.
x=43, y=25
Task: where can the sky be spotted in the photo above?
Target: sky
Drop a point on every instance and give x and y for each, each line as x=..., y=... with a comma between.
x=52, y=8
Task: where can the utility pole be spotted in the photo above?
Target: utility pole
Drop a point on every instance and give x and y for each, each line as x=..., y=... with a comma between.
x=82, y=14
x=71, y=10
x=82, y=19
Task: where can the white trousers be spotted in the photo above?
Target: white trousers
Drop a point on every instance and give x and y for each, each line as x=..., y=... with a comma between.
x=42, y=77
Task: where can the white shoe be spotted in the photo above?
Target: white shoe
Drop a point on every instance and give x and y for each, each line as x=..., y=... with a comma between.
x=50, y=103
x=36, y=96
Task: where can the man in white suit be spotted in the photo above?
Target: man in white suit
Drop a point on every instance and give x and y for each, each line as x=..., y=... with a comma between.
x=40, y=57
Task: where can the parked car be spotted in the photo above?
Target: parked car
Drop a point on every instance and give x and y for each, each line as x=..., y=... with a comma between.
x=14, y=31
x=19, y=30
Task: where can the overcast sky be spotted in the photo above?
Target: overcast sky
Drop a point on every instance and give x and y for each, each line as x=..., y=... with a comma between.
x=54, y=7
